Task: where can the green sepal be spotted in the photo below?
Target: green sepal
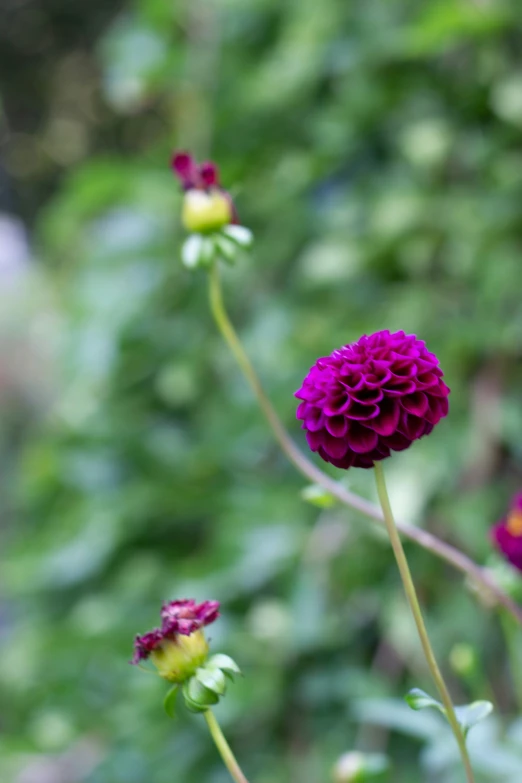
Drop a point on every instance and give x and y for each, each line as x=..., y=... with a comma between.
x=225, y=663
x=468, y=715
x=191, y=251
x=213, y=679
x=197, y=697
x=241, y=235
x=169, y=702
x=225, y=247
x=207, y=252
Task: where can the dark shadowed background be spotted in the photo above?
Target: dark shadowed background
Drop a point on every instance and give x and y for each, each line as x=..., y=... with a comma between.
x=375, y=149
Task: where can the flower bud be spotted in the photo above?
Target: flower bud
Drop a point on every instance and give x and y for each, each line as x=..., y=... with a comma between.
x=179, y=652
x=355, y=767
x=177, y=659
x=206, y=211
x=179, y=647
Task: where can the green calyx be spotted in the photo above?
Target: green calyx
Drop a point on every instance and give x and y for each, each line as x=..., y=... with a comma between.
x=201, y=250
x=207, y=685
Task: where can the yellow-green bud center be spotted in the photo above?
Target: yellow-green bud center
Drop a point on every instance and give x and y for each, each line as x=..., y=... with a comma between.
x=205, y=211
x=177, y=659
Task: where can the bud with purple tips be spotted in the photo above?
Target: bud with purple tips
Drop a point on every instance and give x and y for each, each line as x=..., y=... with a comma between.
x=208, y=213
x=179, y=651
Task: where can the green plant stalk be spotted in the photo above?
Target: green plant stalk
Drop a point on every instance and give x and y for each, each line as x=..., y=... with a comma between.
x=514, y=650
x=411, y=595
x=224, y=748
x=450, y=554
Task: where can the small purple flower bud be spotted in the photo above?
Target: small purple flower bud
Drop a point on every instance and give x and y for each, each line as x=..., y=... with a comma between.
x=179, y=648
x=207, y=207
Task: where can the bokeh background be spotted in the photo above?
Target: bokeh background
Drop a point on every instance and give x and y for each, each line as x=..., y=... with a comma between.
x=375, y=149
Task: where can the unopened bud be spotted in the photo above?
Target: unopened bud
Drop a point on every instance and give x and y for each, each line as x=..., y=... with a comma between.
x=206, y=211
x=177, y=659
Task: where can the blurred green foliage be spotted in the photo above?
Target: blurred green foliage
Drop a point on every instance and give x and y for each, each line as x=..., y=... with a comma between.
x=374, y=149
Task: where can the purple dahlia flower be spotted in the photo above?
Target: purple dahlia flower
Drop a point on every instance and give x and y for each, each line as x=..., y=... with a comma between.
x=370, y=398
x=507, y=534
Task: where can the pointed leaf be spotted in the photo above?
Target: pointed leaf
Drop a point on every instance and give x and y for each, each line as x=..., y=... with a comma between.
x=419, y=700
x=469, y=715
x=169, y=702
x=213, y=679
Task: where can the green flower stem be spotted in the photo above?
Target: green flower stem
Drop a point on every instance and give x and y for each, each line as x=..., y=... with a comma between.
x=224, y=748
x=514, y=649
x=450, y=554
x=413, y=601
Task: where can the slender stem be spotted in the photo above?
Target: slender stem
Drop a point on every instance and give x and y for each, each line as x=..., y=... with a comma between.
x=224, y=748
x=514, y=649
x=411, y=595
x=445, y=551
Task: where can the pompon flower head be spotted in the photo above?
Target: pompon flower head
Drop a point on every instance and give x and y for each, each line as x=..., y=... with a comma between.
x=207, y=207
x=179, y=647
x=507, y=534
x=370, y=398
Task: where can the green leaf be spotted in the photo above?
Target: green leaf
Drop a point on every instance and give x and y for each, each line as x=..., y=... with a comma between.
x=169, y=702
x=223, y=662
x=317, y=496
x=213, y=679
x=468, y=715
x=419, y=700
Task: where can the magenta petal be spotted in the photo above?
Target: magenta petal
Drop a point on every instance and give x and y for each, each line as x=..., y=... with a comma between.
x=337, y=405
x=361, y=439
x=360, y=412
x=315, y=440
x=334, y=447
x=186, y=170
x=336, y=426
x=416, y=403
x=314, y=420
x=209, y=174
x=412, y=426
x=301, y=411
x=386, y=422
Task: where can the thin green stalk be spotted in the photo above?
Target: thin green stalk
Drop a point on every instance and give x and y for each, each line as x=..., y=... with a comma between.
x=450, y=554
x=411, y=595
x=514, y=649
x=224, y=748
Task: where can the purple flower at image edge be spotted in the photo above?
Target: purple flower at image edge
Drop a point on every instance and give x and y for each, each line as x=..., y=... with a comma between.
x=507, y=534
